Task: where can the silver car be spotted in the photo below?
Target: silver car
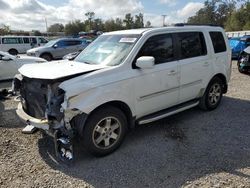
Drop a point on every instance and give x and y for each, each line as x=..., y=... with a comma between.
x=56, y=49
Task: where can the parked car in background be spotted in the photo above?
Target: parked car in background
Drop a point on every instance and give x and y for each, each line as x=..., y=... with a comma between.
x=10, y=64
x=56, y=49
x=20, y=44
x=244, y=61
x=73, y=55
x=125, y=78
x=238, y=44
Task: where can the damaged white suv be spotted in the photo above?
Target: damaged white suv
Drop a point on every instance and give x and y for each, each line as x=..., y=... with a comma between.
x=124, y=78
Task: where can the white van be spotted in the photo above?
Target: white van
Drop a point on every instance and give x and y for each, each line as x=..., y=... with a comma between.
x=20, y=44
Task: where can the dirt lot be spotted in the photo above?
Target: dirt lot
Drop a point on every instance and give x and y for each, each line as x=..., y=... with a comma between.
x=191, y=149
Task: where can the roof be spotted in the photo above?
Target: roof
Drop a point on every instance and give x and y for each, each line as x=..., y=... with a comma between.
x=172, y=28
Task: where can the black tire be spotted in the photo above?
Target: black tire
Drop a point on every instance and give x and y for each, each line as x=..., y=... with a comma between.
x=13, y=52
x=47, y=57
x=210, y=100
x=97, y=130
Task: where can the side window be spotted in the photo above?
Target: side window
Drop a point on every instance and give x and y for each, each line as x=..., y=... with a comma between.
x=33, y=40
x=160, y=47
x=12, y=40
x=218, y=42
x=26, y=40
x=192, y=44
x=42, y=40
x=72, y=42
x=61, y=44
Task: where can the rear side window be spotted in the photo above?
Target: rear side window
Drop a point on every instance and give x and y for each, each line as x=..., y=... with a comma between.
x=33, y=41
x=72, y=42
x=12, y=40
x=26, y=40
x=192, y=44
x=218, y=42
x=160, y=47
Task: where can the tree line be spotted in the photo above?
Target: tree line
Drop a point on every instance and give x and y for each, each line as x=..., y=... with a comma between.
x=92, y=23
x=233, y=15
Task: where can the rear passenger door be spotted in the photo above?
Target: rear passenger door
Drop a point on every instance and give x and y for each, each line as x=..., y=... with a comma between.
x=157, y=88
x=195, y=64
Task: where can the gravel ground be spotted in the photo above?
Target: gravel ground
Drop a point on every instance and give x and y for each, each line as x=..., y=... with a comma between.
x=191, y=149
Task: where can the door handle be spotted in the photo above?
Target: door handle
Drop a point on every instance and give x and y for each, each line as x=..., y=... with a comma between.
x=172, y=72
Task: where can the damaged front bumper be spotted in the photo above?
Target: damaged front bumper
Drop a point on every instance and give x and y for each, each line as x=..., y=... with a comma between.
x=27, y=119
x=63, y=140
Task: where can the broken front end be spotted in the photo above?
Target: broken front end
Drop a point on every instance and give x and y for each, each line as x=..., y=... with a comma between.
x=41, y=107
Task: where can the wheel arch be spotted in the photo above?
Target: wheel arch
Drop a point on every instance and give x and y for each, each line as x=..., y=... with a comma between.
x=80, y=120
x=13, y=49
x=48, y=53
x=223, y=79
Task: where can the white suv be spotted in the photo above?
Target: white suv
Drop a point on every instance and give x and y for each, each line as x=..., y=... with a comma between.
x=125, y=78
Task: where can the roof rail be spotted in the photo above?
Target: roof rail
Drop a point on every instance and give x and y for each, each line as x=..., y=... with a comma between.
x=188, y=24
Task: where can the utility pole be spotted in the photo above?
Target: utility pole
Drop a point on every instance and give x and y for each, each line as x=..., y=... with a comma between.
x=163, y=19
x=46, y=24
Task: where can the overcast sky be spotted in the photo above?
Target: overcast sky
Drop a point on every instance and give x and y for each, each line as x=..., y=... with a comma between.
x=30, y=14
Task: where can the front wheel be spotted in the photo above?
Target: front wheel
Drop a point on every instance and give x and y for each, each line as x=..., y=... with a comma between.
x=212, y=96
x=104, y=131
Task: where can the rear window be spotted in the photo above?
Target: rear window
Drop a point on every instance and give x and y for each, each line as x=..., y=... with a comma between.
x=218, y=42
x=12, y=40
x=192, y=44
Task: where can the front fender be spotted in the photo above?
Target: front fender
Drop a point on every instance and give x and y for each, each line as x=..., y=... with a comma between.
x=89, y=100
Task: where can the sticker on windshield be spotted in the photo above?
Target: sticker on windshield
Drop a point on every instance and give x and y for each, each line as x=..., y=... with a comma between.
x=128, y=40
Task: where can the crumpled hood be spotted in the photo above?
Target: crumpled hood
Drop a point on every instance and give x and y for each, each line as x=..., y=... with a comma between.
x=56, y=69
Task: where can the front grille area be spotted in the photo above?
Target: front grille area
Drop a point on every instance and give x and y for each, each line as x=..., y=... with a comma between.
x=34, y=97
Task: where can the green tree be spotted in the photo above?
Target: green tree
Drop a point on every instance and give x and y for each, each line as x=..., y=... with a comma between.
x=74, y=27
x=98, y=24
x=57, y=27
x=214, y=12
x=139, y=21
x=239, y=19
x=4, y=30
x=129, y=21
x=37, y=33
x=148, y=24
x=90, y=16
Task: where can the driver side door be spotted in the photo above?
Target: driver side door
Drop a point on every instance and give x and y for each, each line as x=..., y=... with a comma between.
x=157, y=88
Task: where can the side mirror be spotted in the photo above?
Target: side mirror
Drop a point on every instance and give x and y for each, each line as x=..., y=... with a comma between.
x=55, y=46
x=4, y=58
x=145, y=62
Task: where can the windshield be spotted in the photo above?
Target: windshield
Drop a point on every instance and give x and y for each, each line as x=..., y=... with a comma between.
x=50, y=43
x=234, y=42
x=108, y=50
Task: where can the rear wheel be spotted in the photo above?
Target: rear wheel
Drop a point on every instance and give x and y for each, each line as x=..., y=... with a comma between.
x=47, y=57
x=13, y=52
x=104, y=131
x=213, y=94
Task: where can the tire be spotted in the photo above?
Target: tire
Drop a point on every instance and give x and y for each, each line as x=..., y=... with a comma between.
x=47, y=57
x=13, y=52
x=104, y=131
x=212, y=96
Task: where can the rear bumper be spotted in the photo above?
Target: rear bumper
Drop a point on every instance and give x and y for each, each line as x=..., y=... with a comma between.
x=38, y=123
